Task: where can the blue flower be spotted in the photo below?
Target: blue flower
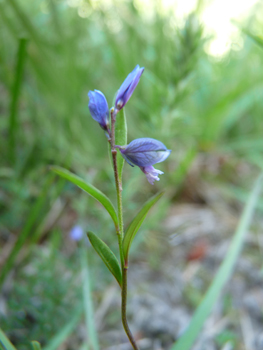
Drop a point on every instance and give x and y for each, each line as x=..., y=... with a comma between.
x=76, y=233
x=99, y=109
x=144, y=153
x=125, y=91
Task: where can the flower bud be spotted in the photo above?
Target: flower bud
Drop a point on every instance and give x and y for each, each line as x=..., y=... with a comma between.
x=144, y=153
x=125, y=91
x=99, y=109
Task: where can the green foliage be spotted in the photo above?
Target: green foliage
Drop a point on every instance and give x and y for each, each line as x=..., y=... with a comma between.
x=189, y=98
x=66, y=330
x=257, y=39
x=13, y=119
x=226, y=337
x=91, y=190
x=92, y=337
x=120, y=138
x=5, y=341
x=36, y=345
x=49, y=297
x=49, y=58
x=33, y=217
x=136, y=224
x=107, y=256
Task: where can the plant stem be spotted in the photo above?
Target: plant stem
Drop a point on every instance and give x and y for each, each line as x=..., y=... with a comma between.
x=123, y=308
x=120, y=233
x=118, y=185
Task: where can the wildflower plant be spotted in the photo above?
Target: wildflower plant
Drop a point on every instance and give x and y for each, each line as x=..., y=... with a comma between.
x=142, y=152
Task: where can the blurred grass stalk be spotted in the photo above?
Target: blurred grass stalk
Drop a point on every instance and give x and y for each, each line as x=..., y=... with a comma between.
x=223, y=274
x=92, y=338
x=14, y=93
x=5, y=342
x=65, y=331
x=33, y=218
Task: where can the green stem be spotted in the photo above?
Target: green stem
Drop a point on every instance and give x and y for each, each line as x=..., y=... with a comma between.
x=123, y=308
x=120, y=233
x=118, y=185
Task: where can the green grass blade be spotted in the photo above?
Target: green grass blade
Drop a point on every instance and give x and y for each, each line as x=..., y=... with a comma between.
x=5, y=341
x=13, y=119
x=55, y=18
x=223, y=274
x=87, y=298
x=35, y=345
x=136, y=224
x=65, y=332
x=258, y=40
x=107, y=256
x=91, y=190
x=24, y=19
x=32, y=219
x=120, y=137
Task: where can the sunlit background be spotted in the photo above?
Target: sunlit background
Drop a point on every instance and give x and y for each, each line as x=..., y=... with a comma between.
x=216, y=16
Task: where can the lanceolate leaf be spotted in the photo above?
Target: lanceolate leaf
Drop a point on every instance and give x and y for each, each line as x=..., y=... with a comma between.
x=107, y=256
x=91, y=190
x=136, y=224
x=120, y=137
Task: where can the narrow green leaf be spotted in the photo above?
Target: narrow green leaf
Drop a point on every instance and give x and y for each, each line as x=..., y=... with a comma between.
x=258, y=40
x=91, y=190
x=107, y=256
x=223, y=274
x=183, y=167
x=36, y=345
x=136, y=224
x=120, y=138
x=26, y=22
x=92, y=337
x=6, y=342
x=18, y=76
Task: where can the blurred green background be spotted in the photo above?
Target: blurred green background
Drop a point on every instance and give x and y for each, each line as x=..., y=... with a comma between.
x=207, y=109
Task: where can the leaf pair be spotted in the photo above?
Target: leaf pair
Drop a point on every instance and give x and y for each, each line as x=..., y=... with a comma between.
x=104, y=251
x=101, y=248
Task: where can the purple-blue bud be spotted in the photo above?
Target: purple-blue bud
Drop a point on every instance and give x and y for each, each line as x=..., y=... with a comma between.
x=99, y=109
x=144, y=153
x=125, y=91
x=76, y=233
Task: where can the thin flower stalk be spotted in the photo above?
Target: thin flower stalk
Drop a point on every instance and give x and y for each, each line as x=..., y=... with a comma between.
x=144, y=153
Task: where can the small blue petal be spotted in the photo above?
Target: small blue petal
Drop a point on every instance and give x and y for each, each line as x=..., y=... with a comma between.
x=128, y=86
x=145, y=152
x=151, y=174
x=99, y=109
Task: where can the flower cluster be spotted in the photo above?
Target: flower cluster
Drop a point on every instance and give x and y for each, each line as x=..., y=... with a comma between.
x=143, y=152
